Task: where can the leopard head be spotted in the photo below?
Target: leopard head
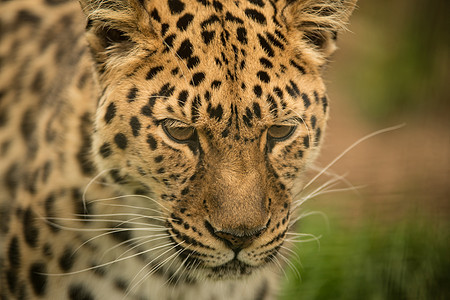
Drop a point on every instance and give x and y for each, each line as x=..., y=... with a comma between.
x=214, y=109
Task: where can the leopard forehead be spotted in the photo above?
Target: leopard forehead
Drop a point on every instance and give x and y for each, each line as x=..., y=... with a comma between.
x=206, y=63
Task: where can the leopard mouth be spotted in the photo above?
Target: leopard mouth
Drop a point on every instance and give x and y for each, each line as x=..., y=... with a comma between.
x=233, y=268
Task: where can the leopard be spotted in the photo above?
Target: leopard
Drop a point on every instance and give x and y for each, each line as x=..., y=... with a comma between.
x=152, y=149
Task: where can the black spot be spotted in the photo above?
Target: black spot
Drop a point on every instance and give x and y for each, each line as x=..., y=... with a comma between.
x=132, y=94
x=294, y=87
x=110, y=112
x=278, y=92
x=255, y=16
x=14, y=253
x=38, y=82
x=176, y=6
x=115, y=175
x=324, y=103
x=248, y=117
x=38, y=278
x=185, y=191
x=313, y=121
x=182, y=97
x=193, y=62
x=197, y=78
x=260, y=3
x=280, y=35
x=225, y=133
x=81, y=208
x=30, y=181
x=12, y=178
x=160, y=171
x=146, y=111
x=215, y=113
x=274, y=41
x=79, y=292
x=216, y=84
x=121, y=284
x=25, y=16
x=306, y=101
x=84, y=154
x=105, y=150
x=208, y=36
x=207, y=96
x=152, y=142
x=159, y=159
x=266, y=63
x=11, y=277
x=242, y=35
x=27, y=125
x=67, y=259
x=230, y=17
x=317, y=137
x=153, y=71
x=155, y=15
x=166, y=91
x=257, y=90
x=194, y=108
x=298, y=67
x=273, y=105
x=316, y=97
x=30, y=230
x=263, y=76
x=211, y=20
x=3, y=117
x=217, y=5
x=306, y=141
x=266, y=46
x=51, y=213
x=184, y=21
x=257, y=110
x=291, y=91
x=135, y=125
x=185, y=49
x=205, y=3
x=121, y=140
x=164, y=29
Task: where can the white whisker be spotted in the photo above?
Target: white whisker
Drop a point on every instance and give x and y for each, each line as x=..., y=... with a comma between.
x=154, y=237
x=89, y=184
x=350, y=148
x=307, y=214
x=129, y=196
x=110, y=262
x=154, y=269
x=291, y=266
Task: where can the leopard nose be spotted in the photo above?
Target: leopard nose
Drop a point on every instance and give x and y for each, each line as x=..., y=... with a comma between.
x=237, y=239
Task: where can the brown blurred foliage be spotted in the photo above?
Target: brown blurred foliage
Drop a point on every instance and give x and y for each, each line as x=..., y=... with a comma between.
x=393, y=67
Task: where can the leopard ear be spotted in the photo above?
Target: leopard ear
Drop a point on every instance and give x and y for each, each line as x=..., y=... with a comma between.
x=318, y=22
x=114, y=26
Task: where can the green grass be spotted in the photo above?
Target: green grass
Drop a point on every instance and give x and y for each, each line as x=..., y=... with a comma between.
x=407, y=260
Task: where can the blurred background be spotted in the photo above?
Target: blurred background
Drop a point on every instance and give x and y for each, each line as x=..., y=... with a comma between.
x=391, y=238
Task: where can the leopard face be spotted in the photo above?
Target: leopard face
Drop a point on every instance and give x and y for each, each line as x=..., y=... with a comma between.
x=214, y=109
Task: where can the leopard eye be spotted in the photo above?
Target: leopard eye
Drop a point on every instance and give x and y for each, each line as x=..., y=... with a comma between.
x=280, y=132
x=178, y=131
